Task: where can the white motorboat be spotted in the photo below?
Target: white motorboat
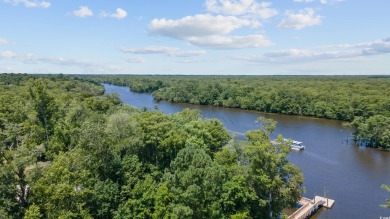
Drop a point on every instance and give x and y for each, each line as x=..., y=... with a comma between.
x=297, y=145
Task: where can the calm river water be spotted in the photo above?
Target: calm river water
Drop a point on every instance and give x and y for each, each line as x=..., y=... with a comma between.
x=349, y=174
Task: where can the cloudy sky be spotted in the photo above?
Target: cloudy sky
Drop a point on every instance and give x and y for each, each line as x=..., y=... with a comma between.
x=195, y=36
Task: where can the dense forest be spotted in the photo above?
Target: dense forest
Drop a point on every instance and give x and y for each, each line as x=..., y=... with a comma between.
x=67, y=150
x=362, y=101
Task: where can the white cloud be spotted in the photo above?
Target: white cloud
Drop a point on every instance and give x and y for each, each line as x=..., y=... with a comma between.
x=7, y=54
x=3, y=41
x=29, y=58
x=334, y=52
x=305, y=55
x=150, y=50
x=119, y=14
x=303, y=0
x=30, y=3
x=86, y=65
x=135, y=60
x=186, y=61
x=378, y=46
x=298, y=21
x=242, y=8
x=198, y=31
x=324, y=2
x=330, y=1
x=8, y=69
x=231, y=42
x=200, y=25
x=297, y=55
x=189, y=53
x=166, y=50
x=83, y=11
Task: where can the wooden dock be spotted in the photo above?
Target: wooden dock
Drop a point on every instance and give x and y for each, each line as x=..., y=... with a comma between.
x=310, y=207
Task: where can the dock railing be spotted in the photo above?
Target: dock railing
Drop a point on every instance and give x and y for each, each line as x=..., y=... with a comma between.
x=309, y=207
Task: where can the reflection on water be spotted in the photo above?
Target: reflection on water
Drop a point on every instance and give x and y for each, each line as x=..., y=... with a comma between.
x=349, y=174
x=318, y=158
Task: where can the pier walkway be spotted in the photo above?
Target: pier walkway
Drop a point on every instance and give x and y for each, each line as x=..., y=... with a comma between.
x=310, y=207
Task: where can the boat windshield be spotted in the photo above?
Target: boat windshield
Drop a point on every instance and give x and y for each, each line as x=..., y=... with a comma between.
x=297, y=143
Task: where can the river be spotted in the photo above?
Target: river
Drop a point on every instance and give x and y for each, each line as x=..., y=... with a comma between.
x=349, y=174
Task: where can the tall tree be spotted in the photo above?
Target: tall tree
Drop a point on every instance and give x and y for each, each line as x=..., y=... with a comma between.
x=66, y=186
x=44, y=106
x=196, y=181
x=277, y=183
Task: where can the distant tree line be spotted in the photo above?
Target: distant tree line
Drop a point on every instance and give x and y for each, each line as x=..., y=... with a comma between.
x=361, y=100
x=67, y=150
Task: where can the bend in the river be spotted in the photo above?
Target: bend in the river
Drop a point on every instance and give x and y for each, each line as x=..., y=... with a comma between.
x=349, y=174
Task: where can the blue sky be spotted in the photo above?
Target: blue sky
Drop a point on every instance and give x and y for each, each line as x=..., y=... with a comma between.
x=195, y=37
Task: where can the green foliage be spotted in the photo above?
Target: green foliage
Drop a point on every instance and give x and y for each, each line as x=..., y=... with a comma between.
x=105, y=199
x=387, y=188
x=238, y=196
x=68, y=151
x=102, y=104
x=141, y=201
x=33, y=212
x=373, y=131
x=196, y=181
x=333, y=97
x=44, y=106
x=276, y=182
x=65, y=186
x=9, y=206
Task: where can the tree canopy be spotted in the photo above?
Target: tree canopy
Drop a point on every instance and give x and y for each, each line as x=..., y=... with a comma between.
x=362, y=100
x=67, y=150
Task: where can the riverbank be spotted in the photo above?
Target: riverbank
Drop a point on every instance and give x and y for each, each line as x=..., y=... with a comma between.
x=348, y=172
x=361, y=101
